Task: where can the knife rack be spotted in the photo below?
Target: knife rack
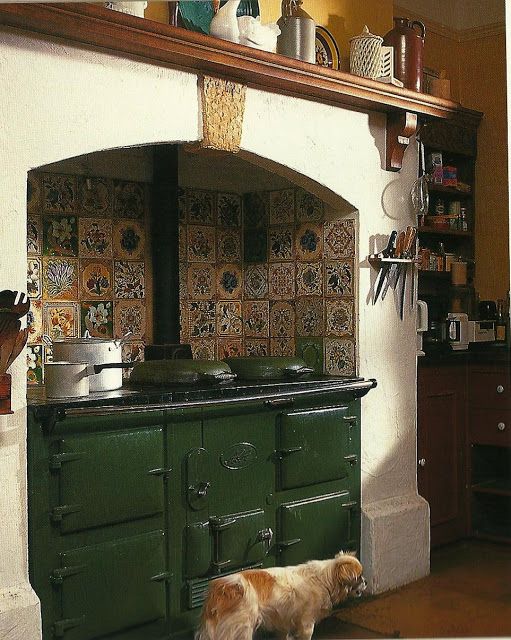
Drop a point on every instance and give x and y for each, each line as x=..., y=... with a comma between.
x=5, y=394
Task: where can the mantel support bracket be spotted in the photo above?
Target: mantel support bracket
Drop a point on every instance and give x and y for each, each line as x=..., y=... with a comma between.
x=400, y=126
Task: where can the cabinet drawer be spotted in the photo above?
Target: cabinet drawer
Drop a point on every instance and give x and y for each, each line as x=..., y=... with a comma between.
x=490, y=388
x=490, y=426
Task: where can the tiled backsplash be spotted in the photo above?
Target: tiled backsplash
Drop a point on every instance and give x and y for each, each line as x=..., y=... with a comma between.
x=88, y=262
x=266, y=274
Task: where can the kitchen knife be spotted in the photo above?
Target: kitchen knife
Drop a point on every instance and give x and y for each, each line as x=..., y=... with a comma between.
x=409, y=243
x=393, y=269
x=388, y=252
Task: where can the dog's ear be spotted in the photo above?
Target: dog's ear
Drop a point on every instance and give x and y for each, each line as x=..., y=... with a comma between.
x=346, y=553
x=347, y=569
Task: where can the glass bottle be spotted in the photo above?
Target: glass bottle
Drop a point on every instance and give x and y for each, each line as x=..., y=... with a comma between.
x=500, y=323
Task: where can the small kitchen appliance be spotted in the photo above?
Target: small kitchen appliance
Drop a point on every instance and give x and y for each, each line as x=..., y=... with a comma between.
x=481, y=331
x=457, y=331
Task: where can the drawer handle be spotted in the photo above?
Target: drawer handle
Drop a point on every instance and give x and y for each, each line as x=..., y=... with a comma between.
x=500, y=389
x=501, y=426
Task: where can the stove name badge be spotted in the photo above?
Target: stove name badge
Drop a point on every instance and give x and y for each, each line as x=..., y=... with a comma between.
x=239, y=456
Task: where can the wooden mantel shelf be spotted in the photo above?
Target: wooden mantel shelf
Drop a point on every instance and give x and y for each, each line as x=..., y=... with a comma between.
x=96, y=26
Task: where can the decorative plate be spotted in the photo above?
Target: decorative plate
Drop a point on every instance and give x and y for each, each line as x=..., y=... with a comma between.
x=196, y=15
x=327, y=51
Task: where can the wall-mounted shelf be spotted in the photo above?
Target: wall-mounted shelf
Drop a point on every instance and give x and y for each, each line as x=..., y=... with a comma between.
x=446, y=232
x=452, y=191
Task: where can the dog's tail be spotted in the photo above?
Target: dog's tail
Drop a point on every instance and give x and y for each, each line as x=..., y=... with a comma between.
x=224, y=595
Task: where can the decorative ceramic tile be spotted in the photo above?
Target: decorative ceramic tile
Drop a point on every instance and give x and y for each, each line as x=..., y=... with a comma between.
x=228, y=210
x=47, y=354
x=129, y=279
x=60, y=320
x=339, y=239
x=255, y=245
x=60, y=236
x=95, y=279
x=339, y=278
x=130, y=316
x=280, y=243
x=60, y=278
x=201, y=319
x=339, y=317
x=229, y=245
x=229, y=281
x=201, y=244
x=34, y=279
x=97, y=318
x=182, y=242
x=282, y=319
x=95, y=237
x=282, y=206
x=200, y=206
x=203, y=349
x=257, y=347
x=309, y=316
x=311, y=350
x=256, y=281
x=309, y=242
x=34, y=235
x=35, y=322
x=35, y=364
x=95, y=196
x=308, y=207
x=34, y=204
x=132, y=351
x=229, y=348
x=58, y=193
x=255, y=210
x=181, y=205
x=201, y=281
x=183, y=281
x=184, y=327
x=282, y=347
x=129, y=199
x=339, y=356
x=229, y=321
x=281, y=280
x=256, y=318
x=309, y=278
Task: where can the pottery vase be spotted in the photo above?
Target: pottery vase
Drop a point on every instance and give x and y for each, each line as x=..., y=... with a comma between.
x=224, y=24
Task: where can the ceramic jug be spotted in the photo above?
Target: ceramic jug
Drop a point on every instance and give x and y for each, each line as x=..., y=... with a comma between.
x=297, y=37
x=408, y=44
x=225, y=22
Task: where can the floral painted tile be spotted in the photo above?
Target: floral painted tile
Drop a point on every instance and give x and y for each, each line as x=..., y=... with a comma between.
x=256, y=281
x=34, y=235
x=35, y=364
x=96, y=279
x=311, y=350
x=309, y=242
x=47, y=354
x=339, y=239
x=35, y=322
x=129, y=199
x=229, y=245
x=282, y=206
x=61, y=320
x=201, y=244
x=255, y=210
x=229, y=320
x=309, y=316
x=95, y=196
x=183, y=281
x=229, y=281
x=281, y=280
x=309, y=278
x=94, y=238
x=201, y=281
x=203, y=348
x=339, y=356
x=255, y=245
x=34, y=278
x=181, y=205
x=339, y=314
x=34, y=192
x=201, y=319
x=282, y=346
x=309, y=208
x=280, y=243
x=60, y=278
x=60, y=236
x=130, y=316
x=229, y=348
x=257, y=347
x=184, y=327
x=282, y=319
x=97, y=318
x=58, y=193
x=182, y=243
x=132, y=351
x=200, y=206
x=339, y=278
x=256, y=318
x=228, y=210
x=129, y=279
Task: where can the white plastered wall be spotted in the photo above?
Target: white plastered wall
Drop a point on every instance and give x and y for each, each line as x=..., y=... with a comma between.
x=60, y=102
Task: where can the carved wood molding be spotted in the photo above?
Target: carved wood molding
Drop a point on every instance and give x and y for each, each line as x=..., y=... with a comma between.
x=400, y=127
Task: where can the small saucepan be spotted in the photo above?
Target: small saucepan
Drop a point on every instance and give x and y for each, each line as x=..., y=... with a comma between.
x=71, y=379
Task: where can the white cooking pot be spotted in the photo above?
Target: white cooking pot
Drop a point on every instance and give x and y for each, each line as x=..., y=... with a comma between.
x=92, y=351
x=71, y=379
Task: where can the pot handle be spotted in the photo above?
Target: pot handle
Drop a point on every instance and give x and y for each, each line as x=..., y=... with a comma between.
x=295, y=373
x=98, y=368
x=225, y=376
x=421, y=27
x=122, y=340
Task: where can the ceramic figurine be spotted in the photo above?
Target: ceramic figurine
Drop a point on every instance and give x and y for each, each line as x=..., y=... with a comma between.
x=225, y=22
x=256, y=35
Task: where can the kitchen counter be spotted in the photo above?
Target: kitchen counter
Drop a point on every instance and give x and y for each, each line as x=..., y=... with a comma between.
x=482, y=353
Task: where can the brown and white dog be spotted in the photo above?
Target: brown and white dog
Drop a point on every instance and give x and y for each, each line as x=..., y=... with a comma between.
x=285, y=600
